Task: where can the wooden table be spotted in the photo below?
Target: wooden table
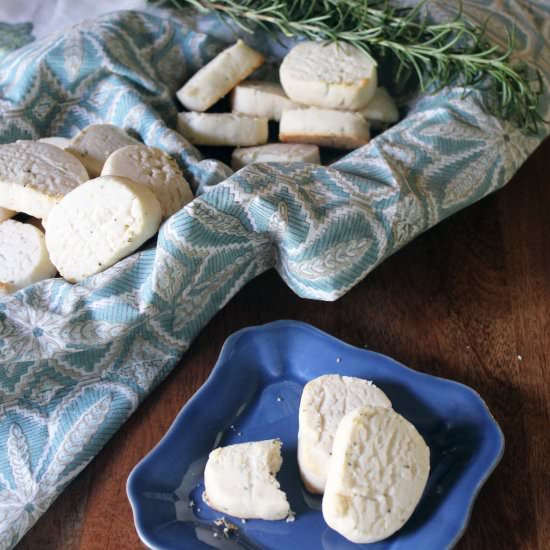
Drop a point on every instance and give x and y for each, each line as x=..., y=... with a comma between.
x=469, y=300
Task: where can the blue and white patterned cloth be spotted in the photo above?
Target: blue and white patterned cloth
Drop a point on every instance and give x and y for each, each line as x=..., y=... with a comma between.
x=76, y=360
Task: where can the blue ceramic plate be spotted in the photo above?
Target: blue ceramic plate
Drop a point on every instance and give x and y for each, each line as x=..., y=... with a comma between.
x=253, y=393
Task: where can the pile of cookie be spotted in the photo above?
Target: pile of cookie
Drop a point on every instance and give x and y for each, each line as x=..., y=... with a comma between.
x=81, y=205
x=328, y=95
x=76, y=206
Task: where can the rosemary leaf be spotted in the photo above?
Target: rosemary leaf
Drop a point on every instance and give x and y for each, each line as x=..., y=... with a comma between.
x=436, y=54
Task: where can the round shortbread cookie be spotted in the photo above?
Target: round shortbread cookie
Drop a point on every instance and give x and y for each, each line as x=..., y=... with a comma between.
x=155, y=169
x=378, y=470
x=24, y=258
x=325, y=401
x=330, y=75
x=100, y=222
x=93, y=145
x=35, y=176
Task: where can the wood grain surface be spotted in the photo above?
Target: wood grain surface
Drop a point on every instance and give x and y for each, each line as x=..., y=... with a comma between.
x=468, y=300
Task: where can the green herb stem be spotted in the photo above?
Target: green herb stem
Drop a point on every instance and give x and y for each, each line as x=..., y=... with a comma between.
x=436, y=54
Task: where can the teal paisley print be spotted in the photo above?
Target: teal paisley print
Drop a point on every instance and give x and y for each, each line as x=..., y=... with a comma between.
x=76, y=360
x=14, y=36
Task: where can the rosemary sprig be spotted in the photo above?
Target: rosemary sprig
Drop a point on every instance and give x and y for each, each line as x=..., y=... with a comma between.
x=436, y=54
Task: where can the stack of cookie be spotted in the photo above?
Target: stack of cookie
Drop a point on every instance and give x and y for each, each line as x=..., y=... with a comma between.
x=328, y=96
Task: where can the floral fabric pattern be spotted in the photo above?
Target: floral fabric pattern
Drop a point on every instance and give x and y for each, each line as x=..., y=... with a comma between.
x=14, y=36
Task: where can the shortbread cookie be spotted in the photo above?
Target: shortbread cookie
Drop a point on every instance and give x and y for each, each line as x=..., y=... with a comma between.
x=24, y=259
x=223, y=129
x=325, y=401
x=61, y=142
x=381, y=109
x=275, y=152
x=325, y=127
x=155, y=169
x=329, y=75
x=219, y=76
x=35, y=176
x=261, y=99
x=378, y=470
x=6, y=288
x=239, y=480
x=100, y=222
x=96, y=142
x=6, y=214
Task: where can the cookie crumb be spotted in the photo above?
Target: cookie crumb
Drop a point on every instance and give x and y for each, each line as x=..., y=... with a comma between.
x=228, y=528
